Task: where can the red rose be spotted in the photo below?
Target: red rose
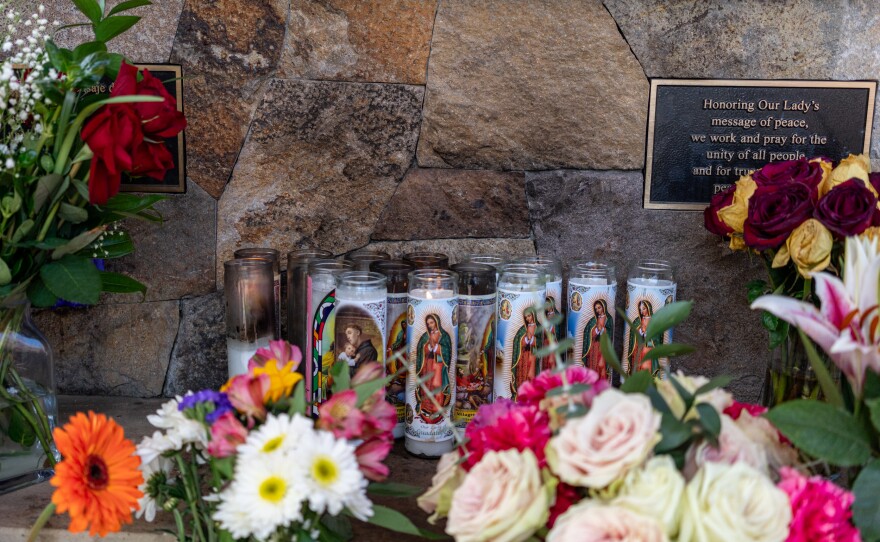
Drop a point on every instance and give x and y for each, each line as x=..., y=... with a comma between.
x=774, y=212
x=874, y=179
x=799, y=171
x=151, y=160
x=848, y=209
x=113, y=134
x=710, y=214
x=161, y=119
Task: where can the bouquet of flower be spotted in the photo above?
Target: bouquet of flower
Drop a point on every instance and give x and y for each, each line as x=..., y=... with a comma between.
x=63, y=151
x=674, y=459
x=245, y=462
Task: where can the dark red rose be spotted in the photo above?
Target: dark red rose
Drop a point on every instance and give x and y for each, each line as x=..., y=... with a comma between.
x=798, y=171
x=151, y=160
x=113, y=134
x=710, y=214
x=566, y=497
x=161, y=119
x=874, y=178
x=774, y=211
x=848, y=209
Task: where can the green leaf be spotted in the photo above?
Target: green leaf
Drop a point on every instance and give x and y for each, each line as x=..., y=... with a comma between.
x=395, y=521
x=118, y=283
x=298, y=400
x=669, y=350
x=58, y=57
x=668, y=317
x=709, y=419
x=73, y=278
x=866, y=508
x=22, y=230
x=20, y=430
x=341, y=377
x=47, y=162
x=130, y=4
x=639, y=382
x=39, y=295
x=90, y=9
x=5, y=274
x=829, y=388
x=874, y=408
x=46, y=186
x=88, y=48
x=72, y=213
x=770, y=322
x=78, y=243
x=717, y=382
x=111, y=27
x=367, y=389
x=822, y=431
x=674, y=433
x=390, y=489
x=779, y=335
x=337, y=527
x=114, y=244
x=609, y=354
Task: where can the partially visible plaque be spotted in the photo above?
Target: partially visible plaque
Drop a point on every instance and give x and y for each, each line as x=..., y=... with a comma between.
x=704, y=134
x=175, y=179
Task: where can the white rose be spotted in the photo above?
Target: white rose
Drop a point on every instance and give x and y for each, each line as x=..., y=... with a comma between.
x=437, y=500
x=590, y=521
x=655, y=491
x=734, y=446
x=503, y=499
x=734, y=502
x=717, y=397
x=616, y=435
x=762, y=432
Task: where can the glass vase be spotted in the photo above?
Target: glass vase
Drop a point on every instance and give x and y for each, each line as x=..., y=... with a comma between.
x=28, y=408
x=789, y=373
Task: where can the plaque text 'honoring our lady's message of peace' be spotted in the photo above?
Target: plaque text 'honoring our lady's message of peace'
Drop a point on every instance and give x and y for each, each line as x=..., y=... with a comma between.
x=704, y=134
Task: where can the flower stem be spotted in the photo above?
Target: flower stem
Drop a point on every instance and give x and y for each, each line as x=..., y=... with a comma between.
x=41, y=522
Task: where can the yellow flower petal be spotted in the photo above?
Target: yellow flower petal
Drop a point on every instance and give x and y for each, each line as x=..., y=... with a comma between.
x=856, y=166
x=734, y=215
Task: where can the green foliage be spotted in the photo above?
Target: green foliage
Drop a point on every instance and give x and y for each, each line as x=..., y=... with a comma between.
x=73, y=278
x=866, y=508
x=822, y=431
x=118, y=283
x=341, y=377
x=395, y=521
x=668, y=317
x=388, y=489
x=829, y=388
x=19, y=429
x=638, y=382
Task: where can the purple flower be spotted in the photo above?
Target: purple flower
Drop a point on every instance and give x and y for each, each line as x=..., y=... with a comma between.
x=217, y=401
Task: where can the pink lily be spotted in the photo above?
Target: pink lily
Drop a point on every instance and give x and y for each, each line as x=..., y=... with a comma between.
x=246, y=393
x=226, y=434
x=340, y=415
x=282, y=352
x=370, y=457
x=847, y=326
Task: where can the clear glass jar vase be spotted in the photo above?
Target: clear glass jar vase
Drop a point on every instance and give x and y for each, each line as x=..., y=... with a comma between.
x=28, y=407
x=789, y=373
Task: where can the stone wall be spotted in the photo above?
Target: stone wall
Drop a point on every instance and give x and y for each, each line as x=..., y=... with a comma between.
x=508, y=126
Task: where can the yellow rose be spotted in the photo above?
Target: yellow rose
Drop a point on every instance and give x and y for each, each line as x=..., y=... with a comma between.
x=808, y=246
x=735, y=214
x=853, y=166
x=737, y=242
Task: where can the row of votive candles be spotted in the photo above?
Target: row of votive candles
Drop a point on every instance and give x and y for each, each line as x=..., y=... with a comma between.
x=454, y=337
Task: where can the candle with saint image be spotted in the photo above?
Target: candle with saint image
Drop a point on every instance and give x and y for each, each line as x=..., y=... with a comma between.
x=432, y=344
x=250, y=312
x=650, y=287
x=592, y=291
x=521, y=293
x=552, y=268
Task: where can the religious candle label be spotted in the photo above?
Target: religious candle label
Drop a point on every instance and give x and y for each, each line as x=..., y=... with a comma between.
x=643, y=299
x=704, y=134
x=323, y=327
x=475, y=372
x=432, y=337
x=517, y=340
x=553, y=307
x=591, y=315
x=395, y=352
x=359, y=334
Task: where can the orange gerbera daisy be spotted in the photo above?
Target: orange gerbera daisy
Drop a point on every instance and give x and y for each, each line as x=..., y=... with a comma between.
x=99, y=477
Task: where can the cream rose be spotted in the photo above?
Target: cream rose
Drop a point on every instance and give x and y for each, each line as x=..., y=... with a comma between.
x=437, y=500
x=734, y=502
x=590, y=521
x=718, y=398
x=655, y=491
x=616, y=435
x=734, y=446
x=503, y=499
x=760, y=431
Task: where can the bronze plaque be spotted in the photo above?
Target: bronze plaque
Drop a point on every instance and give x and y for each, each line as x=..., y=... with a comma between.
x=704, y=134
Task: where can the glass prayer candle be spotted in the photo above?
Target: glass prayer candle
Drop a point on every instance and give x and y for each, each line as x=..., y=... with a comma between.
x=361, y=311
x=650, y=287
x=397, y=272
x=432, y=343
x=521, y=293
x=475, y=371
x=275, y=257
x=553, y=308
x=250, y=314
x=298, y=297
x=592, y=291
x=427, y=260
x=323, y=280
x=362, y=259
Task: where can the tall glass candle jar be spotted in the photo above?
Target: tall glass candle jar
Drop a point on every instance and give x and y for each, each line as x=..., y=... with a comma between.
x=361, y=312
x=521, y=292
x=650, y=287
x=397, y=272
x=323, y=280
x=275, y=257
x=432, y=343
x=298, y=296
x=427, y=260
x=592, y=291
x=553, y=306
x=475, y=370
x=250, y=311
x=362, y=259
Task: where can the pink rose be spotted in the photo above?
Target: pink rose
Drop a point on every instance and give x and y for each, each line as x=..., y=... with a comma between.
x=779, y=451
x=506, y=425
x=821, y=511
x=594, y=522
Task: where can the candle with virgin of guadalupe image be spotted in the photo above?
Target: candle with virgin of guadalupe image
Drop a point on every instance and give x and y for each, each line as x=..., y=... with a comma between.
x=592, y=290
x=552, y=268
x=650, y=287
x=521, y=293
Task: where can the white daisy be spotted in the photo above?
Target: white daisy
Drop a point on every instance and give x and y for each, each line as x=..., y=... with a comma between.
x=178, y=428
x=332, y=476
x=264, y=495
x=156, y=471
x=280, y=434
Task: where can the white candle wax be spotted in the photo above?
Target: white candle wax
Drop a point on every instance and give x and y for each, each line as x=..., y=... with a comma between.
x=241, y=352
